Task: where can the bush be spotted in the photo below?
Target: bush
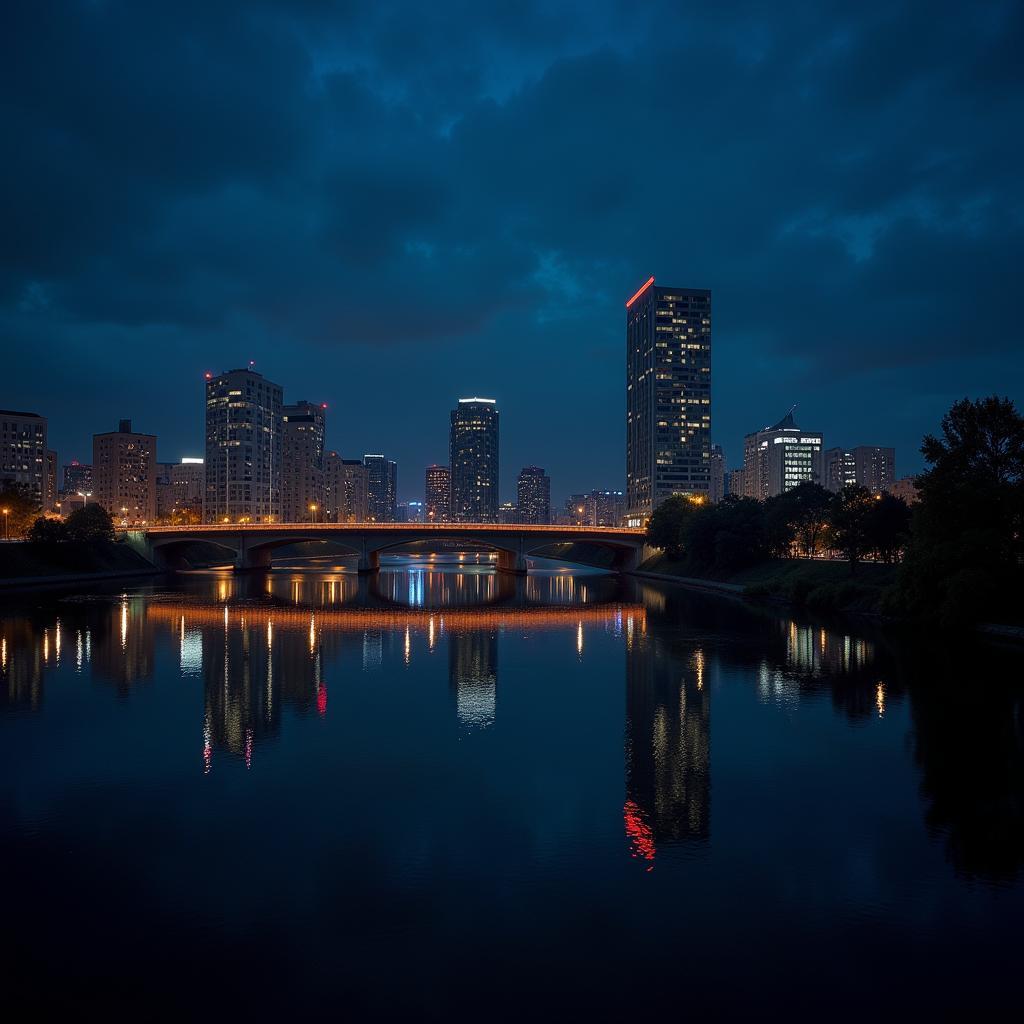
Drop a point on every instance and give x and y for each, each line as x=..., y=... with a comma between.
x=47, y=532
x=90, y=524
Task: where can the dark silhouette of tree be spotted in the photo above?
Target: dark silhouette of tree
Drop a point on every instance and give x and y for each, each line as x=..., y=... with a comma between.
x=888, y=527
x=91, y=523
x=47, y=533
x=965, y=558
x=665, y=528
x=851, y=512
x=807, y=509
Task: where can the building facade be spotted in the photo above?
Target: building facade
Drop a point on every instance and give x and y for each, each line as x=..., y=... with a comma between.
x=716, y=489
x=124, y=473
x=23, y=452
x=243, y=448
x=50, y=496
x=345, y=490
x=302, y=462
x=778, y=458
x=668, y=396
x=438, y=494
x=533, y=496
x=77, y=478
x=381, y=488
x=473, y=448
x=875, y=468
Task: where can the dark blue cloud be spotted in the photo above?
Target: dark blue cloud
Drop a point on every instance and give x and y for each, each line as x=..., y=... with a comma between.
x=388, y=205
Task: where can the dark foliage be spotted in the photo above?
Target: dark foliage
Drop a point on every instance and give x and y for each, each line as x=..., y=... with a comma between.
x=91, y=523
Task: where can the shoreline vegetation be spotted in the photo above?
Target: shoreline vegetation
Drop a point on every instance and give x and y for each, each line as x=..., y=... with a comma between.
x=953, y=559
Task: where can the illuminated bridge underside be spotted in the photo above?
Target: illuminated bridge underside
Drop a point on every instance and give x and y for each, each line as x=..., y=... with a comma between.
x=254, y=544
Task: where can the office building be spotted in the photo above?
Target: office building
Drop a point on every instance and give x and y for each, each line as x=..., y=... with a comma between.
x=243, y=448
x=735, y=483
x=179, y=490
x=874, y=467
x=716, y=490
x=23, y=452
x=415, y=512
x=533, y=494
x=124, y=474
x=473, y=447
x=606, y=508
x=777, y=458
x=302, y=462
x=438, y=494
x=381, y=488
x=576, y=513
x=345, y=490
x=865, y=465
x=668, y=396
x=77, y=477
x=508, y=514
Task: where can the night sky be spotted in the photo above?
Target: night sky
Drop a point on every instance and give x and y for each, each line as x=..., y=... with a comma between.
x=391, y=206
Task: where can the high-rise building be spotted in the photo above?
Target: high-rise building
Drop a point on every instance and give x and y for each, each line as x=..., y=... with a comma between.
x=77, y=477
x=508, y=514
x=438, y=494
x=124, y=474
x=837, y=469
x=473, y=447
x=302, y=462
x=865, y=465
x=533, y=495
x=577, y=510
x=345, y=490
x=381, y=488
x=716, y=491
x=23, y=452
x=905, y=488
x=777, y=458
x=606, y=508
x=415, y=512
x=668, y=396
x=243, y=448
x=736, y=483
x=875, y=468
x=179, y=489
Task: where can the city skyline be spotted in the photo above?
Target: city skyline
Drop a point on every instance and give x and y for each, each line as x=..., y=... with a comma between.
x=194, y=237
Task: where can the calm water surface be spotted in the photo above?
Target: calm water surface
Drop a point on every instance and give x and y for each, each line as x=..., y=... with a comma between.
x=445, y=792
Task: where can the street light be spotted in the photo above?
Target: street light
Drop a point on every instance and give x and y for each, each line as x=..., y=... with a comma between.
x=86, y=495
x=312, y=513
x=7, y=513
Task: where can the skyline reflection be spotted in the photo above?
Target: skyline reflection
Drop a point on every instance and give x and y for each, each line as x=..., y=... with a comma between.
x=264, y=644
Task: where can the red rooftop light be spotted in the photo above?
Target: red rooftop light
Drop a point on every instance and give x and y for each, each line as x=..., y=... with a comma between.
x=644, y=288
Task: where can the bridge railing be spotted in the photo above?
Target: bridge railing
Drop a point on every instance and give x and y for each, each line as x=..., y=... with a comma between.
x=440, y=528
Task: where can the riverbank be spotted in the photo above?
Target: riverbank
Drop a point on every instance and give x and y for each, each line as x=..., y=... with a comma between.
x=23, y=565
x=819, y=586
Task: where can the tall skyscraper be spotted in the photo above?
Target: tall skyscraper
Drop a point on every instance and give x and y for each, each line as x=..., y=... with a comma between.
x=381, y=488
x=777, y=458
x=243, y=448
x=346, y=485
x=533, y=495
x=473, y=447
x=837, y=469
x=668, y=396
x=438, y=494
x=302, y=462
x=124, y=474
x=23, y=452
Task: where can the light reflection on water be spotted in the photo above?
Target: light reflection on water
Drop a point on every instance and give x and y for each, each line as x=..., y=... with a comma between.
x=576, y=706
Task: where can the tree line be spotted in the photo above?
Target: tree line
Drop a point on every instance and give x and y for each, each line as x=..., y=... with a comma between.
x=960, y=547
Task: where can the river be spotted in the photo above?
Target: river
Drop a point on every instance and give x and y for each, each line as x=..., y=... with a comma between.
x=446, y=791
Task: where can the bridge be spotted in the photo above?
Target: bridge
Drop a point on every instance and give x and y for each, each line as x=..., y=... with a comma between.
x=253, y=544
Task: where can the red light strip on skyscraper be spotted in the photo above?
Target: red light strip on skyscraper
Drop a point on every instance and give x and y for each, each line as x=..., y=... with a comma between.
x=647, y=284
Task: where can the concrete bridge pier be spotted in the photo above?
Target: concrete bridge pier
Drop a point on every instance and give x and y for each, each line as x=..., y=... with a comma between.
x=251, y=557
x=513, y=561
x=369, y=561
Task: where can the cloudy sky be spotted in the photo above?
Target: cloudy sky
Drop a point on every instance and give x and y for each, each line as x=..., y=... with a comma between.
x=389, y=206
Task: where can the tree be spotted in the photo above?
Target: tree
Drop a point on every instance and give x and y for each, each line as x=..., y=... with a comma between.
x=804, y=510
x=851, y=511
x=965, y=556
x=90, y=524
x=888, y=527
x=21, y=506
x=665, y=527
x=47, y=532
